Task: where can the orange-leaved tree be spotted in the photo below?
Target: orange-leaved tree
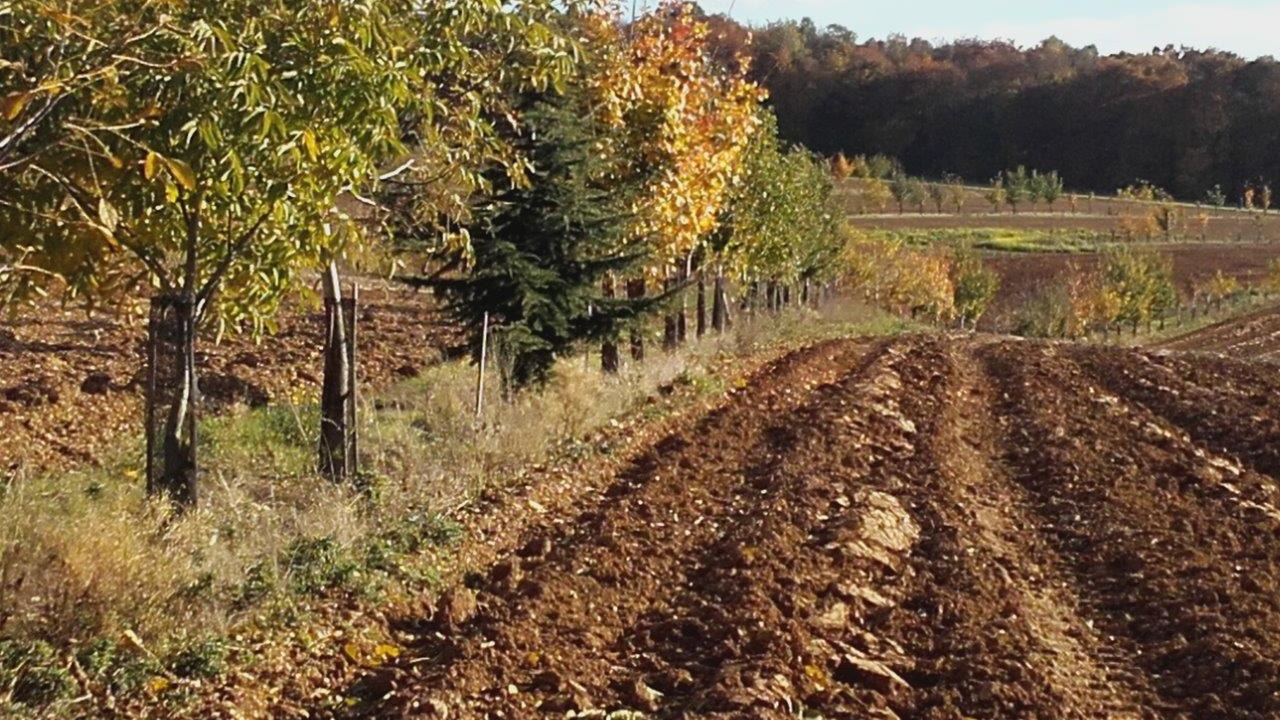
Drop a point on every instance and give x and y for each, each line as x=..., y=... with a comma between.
x=683, y=120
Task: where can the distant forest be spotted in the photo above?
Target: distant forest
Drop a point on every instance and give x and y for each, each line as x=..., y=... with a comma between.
x=1183, y=119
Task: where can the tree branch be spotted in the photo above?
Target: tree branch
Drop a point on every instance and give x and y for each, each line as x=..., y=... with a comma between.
x=234, y=249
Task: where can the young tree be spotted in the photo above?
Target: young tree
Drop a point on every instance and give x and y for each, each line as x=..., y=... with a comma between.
x=543, y=248
x=1051, y=188
x=975, y=286
x=1017, y=186
x=1216, y=197
x=938, y=194
x=996, y=193
x=917, y=193
x=955, y=192
x=903, y=191
x=876, y=194
x=1035, y=188
x=1141, y=280
x=841, y=167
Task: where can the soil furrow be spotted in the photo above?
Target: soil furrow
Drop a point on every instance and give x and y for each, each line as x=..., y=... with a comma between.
x=1166, y=559
x=772, y=624
x=544, y=622
x=991, y=619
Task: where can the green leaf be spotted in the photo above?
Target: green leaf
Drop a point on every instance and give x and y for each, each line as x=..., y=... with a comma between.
x=181, y=172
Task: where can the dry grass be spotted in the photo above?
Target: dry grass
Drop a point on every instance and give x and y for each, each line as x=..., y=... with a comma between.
x=100, y=588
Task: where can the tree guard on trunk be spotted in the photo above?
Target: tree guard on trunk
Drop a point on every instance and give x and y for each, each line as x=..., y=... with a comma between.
x=172, y=395
x=339, y=447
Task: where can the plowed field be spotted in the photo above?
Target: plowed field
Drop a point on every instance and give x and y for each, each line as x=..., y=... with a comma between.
x=1255, y=335
x=925, y=527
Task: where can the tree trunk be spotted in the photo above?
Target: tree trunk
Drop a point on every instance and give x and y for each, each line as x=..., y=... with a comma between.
x=172, y=396
x=682, y=319
x=337, y=449
x=670, y=321
x=718, y=303
x=610, y=363
x=636, y=290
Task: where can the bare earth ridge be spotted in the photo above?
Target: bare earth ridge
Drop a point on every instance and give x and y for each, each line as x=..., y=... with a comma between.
x=926, y=527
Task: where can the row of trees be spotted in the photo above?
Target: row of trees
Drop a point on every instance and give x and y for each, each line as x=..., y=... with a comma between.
x=542, y=155
x=1012, y=187
x=1129, y=289
x=938, y=287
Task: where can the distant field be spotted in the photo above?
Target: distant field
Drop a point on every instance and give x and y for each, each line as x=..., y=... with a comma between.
x=1102, y=217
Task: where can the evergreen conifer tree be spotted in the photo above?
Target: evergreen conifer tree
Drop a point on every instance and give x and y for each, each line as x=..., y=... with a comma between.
x=543, y=248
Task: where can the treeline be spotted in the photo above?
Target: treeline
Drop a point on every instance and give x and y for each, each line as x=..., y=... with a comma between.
x=567, y=175
x=1184, y=119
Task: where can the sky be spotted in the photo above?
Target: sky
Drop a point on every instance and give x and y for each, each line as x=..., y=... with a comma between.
x=1249, y=29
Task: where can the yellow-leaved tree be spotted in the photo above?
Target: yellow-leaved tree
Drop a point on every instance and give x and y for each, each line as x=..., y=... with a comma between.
x=683, y=120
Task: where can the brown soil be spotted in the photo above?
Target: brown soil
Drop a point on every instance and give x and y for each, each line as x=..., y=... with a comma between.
x=72, y=385
x=1232, y=227
x=1255, y=335
x=1025, y=275
x=929, y=527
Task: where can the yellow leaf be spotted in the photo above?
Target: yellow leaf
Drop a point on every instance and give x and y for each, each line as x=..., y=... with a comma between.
x=386, y=651
x=12, y=105
x=352, y=651
x=182, y=172
x=108, y=215
x=151, y=165
x=158, y=684
x=309, y=142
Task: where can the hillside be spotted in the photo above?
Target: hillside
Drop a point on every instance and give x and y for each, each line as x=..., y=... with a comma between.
x=1185, y=119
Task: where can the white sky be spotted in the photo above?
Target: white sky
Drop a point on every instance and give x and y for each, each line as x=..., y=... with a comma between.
x=1248, y=29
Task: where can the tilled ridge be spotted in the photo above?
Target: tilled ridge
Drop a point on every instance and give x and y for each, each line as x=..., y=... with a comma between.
x=539, y=635
x=989, y=617
x=1167, y=559
x=928, y=527
x=1227, y=407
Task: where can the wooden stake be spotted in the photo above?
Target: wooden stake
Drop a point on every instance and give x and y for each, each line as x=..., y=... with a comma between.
x=484, y=358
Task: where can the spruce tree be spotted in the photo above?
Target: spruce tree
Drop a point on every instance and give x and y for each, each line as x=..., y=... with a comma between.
x=543, y=248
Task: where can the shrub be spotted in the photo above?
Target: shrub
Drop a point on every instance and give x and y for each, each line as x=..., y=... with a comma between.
x=975, y=286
